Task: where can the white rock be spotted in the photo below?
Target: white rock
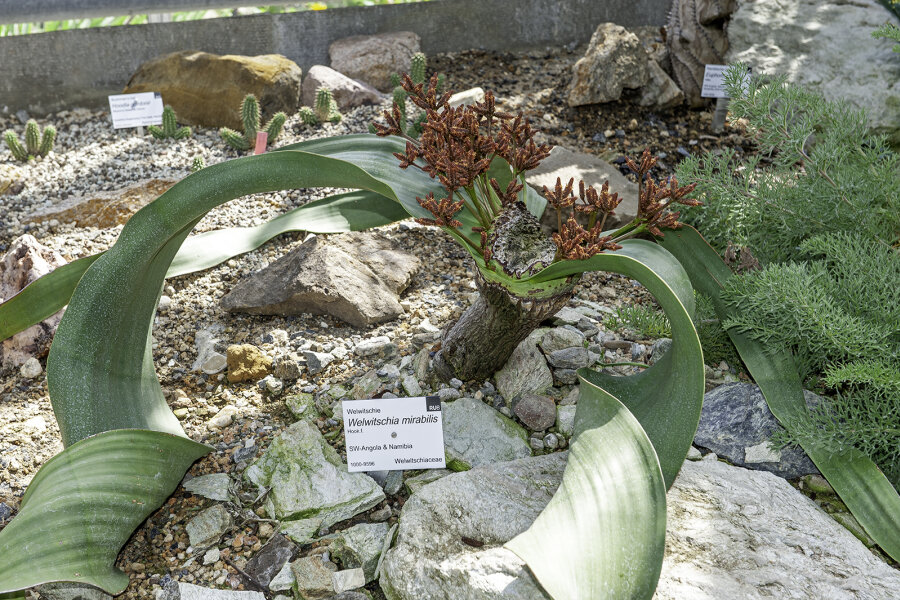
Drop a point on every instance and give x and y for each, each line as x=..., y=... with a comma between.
x=31, y=368
x=349, y=579
x=825, y=47
x=223, y=418
x=467, y=97
x=730, y=533
x=37, y=423
x=189, y=591
x=211, y=556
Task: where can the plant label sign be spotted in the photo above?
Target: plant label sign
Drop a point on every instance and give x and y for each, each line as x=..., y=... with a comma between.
x=136, y=110
x=392, y=434
x=714, y=82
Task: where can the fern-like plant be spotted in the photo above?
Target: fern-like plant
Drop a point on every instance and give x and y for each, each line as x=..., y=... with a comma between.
x=36, y=142
x=250, y=119
x=169, y=127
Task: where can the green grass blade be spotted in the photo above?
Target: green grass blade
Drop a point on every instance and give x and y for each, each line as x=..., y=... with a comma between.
x=857, y=480
x=84, y=504
x=603, y=534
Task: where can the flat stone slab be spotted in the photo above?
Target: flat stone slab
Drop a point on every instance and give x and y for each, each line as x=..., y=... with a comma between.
x=476, y=434
x=731, y=532
x=567, y=164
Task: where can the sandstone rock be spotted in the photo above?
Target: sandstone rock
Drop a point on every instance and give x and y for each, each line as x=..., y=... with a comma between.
x=475, y=434
x=566, y=164
x=826, y=48
x=695, y=38
x=526, y=370
x=736, y=423
x=660, y=91
x=730, y=533
x=373, y=58
x=308, y=479
x=313, y=577
x=354, y=277
x=247, y=363
x=105, y=209
x=24, y=262
x=207, y=89
x=615, y=60
x=347, y=93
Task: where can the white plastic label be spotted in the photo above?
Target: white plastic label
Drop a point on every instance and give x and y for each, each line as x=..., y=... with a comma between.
x=714, y=82
x=391, y=434
x=136, y=110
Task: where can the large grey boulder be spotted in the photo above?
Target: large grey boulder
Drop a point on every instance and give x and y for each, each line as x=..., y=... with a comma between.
x=825, y=47
x=736, y=424
x=567, y=164
x=730, y=533
x=475, y=434
x=25, y=261
x=309, y=480
x=355, y=277
x=347, y=93
x=373, y=58
x=615, y=60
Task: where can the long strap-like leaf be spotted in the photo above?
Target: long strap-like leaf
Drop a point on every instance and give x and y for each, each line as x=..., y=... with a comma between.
x=602, y=536
x=857, y=480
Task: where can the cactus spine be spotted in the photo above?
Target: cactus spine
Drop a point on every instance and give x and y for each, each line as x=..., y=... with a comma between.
x=308, y=116
x=197, y=164
x=36, y=143
x=250, y=120
x=417, y=68
x=169, y=127
x=326, y=108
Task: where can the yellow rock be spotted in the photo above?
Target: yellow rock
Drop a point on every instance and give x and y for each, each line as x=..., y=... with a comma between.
x=246, y=363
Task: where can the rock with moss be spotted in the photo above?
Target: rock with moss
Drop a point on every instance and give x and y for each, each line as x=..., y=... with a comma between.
x=307, y=479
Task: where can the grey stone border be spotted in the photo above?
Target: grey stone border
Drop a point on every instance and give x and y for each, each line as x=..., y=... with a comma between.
x=47, y=72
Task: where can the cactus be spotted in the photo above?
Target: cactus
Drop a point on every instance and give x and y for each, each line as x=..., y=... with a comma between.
x=36, y=143
x=417, y=68
x=197, y=164
x=326, y=108
x=169, y=127
x=250, y=120
x=308, y=116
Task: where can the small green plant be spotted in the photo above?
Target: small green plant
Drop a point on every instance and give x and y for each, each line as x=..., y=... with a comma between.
x=36, y=143
x=646, y=322
x=325, y=110
x=417, y=67
x=250, y=119
x=169, y=127
x=197, y=164
x=889, y=31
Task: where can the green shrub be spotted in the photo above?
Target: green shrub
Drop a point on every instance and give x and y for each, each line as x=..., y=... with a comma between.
x=820, y=209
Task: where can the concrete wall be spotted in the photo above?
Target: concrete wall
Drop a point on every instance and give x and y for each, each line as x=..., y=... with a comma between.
x=31, y=11
x=48, y=72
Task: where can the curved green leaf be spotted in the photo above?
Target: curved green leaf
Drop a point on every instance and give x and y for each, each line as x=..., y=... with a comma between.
x=352, y=211
x=603, y=534
x=84, y=504
x=42, y=297
x=857, y=480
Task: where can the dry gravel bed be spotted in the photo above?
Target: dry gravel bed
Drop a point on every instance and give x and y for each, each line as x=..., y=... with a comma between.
x=90, y=156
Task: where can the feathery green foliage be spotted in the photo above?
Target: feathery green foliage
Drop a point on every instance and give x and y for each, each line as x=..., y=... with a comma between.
x=848, y=180
x=646, y=322
x=822, y=215
x=889, y=31
x=36, y=143
x=250, y=120
x=169, y=127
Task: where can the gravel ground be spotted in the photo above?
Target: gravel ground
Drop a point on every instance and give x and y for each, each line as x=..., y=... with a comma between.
x=90, y=156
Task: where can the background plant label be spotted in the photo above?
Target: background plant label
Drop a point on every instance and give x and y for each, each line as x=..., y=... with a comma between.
x=391, y=434
x=136, y=110
x=714, y=82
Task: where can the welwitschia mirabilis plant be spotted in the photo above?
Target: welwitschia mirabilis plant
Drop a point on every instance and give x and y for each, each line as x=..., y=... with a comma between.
x=632, y=433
